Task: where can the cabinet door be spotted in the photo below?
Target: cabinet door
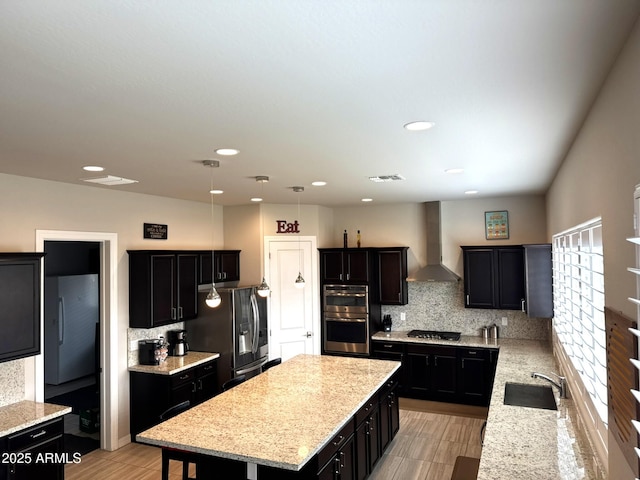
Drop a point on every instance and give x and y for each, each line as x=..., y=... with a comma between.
x=357, y=266
x=347, y=459
x=443, y=374
x=392, y=276
x=510, y=277
x=37, y=470
x=331, y=471
x=187, y=286
x=373, y=448
x=417, y=374
x=227, y=266
x=479, y=277
x=474, y=376
x=331, y=265
x=538, y=280
x=206, y=382
x=163, y=304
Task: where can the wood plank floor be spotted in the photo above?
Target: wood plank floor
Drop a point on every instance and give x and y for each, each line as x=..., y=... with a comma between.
x=431, y=436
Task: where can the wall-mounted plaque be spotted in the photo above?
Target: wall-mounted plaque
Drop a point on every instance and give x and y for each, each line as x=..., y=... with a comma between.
x=496, y=225
x=155, y=231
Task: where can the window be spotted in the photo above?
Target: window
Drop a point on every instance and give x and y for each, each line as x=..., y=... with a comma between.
x=578, y=302
x=636, y=270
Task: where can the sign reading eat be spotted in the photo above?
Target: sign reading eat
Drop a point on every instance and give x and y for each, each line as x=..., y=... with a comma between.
x=287, y=227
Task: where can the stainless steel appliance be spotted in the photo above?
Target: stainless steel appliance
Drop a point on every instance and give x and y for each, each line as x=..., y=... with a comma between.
x=237, y=330
x=434, y=335
x=345, y=322
x=71, y=312
x=178, y=345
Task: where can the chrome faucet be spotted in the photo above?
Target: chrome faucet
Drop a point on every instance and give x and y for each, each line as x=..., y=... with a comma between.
x=561, y=384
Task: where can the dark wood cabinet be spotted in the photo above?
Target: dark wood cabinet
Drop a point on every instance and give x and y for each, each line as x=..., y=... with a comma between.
x=20, y=305
x=538, y=280
x=431, y=372
x=28, y=445
x=368, y=438
x=337, y=460
x=475, y=376
x=516, y=277
x=151, y=394
x=494, y=277
x=163, y=287
x=344, y=265
x=225, y=266
x=389, y=413
x=392, y=275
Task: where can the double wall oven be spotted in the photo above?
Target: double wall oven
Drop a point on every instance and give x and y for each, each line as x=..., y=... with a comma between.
x=345, y=319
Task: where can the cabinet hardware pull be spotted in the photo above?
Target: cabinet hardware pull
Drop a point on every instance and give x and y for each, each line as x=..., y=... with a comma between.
x=467, y=299
x=193, y=387
x=173, y=313
x=341, y=460
x=463, y=363
x=39, y=434
x=180, y=315
x=200, y=387
x=184, y=377
x=522, y=304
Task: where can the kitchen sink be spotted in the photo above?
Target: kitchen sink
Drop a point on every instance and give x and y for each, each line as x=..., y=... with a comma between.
x=526, y=395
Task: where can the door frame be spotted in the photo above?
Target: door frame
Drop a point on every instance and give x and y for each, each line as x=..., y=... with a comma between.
x=311, y=280
x=34, y=369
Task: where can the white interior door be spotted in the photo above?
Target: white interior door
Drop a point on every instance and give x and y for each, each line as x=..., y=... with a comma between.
x=294, y=325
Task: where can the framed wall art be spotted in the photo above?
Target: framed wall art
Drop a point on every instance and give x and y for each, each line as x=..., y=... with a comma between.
x=496, y=225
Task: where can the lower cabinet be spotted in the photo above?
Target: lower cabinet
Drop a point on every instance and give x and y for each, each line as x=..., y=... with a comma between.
x=151, y=394
x=36, y=452
x=442, y=373
x=354, y=451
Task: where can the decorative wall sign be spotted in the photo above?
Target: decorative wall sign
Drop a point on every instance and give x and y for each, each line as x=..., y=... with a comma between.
x=282, y=226
x=155, y=231
x=496, y=225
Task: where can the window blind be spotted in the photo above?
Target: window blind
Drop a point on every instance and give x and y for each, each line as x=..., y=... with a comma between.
x=578, y=302
x=636, y=300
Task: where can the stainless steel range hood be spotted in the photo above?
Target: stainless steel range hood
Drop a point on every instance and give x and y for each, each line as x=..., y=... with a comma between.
x=434, y=271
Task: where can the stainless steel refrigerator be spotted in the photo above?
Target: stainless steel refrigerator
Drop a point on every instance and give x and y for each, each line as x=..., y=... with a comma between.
x=71, y=312
x=237, y=330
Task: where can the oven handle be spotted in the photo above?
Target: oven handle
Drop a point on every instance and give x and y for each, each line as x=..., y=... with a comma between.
x=343, y=294
x=347, y=320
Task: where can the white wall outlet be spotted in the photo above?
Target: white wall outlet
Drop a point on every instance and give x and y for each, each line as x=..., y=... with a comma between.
x=403, y=316
x=133, y=345
x=504, y=321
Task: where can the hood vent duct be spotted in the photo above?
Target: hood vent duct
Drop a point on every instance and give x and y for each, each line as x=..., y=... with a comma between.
x=434, y=271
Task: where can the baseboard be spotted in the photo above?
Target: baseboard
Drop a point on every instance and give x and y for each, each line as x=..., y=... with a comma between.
x=444, y=408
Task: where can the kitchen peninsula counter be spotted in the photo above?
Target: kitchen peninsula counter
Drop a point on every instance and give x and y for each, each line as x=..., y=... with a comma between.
x=281, y=418
x=20, y=415
x=522, y=442
x=173, y=365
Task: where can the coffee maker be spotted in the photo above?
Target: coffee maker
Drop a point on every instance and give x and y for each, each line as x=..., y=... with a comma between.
x=178, y=345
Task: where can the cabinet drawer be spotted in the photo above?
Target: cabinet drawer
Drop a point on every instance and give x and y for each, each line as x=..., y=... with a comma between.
x=385, y=347
x=35, y=435
x=183, y=377
x=432, y=350
x=335, y=443
x=367, y=409
x=206, y=369
x=482, y=353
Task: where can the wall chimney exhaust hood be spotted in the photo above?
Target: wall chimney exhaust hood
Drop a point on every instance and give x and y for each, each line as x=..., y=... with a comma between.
x=434, y=271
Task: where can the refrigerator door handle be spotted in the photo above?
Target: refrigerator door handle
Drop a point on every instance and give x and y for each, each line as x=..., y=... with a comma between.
x=60, y=320
x=249, y=370
x=256, y=323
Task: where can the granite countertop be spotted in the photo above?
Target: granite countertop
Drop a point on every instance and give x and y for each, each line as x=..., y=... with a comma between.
x=20, y=415
x=522, y=442
x=173, y=365
x=280, y=418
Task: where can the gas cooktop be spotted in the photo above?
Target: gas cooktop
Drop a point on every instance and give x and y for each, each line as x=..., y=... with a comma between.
x=434, y=334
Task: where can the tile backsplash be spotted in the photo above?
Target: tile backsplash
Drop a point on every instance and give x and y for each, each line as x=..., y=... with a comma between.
x=136, y=334
x=440, y=306
x=12, y=381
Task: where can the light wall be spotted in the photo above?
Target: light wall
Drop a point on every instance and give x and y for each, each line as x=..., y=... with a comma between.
x=597, y=179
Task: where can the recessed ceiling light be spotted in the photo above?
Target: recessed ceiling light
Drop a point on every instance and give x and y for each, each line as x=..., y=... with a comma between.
x=454, y=170
x=93, y=168
x=419, y=126
x=471, y=192
x=227, y=151
x=256, y=199
x=319, y=183
x=216, y=192
x=367, y=199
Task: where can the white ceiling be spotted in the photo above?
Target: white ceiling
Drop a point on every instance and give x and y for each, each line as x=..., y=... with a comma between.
x=306, y=90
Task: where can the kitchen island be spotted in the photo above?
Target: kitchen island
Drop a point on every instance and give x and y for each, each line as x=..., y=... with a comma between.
x=283, y=419
x=522, y=442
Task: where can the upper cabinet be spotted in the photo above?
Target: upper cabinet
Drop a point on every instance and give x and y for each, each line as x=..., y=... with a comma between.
x=511, y=277
x=163, y=287
x=392, y=275
x=20, y=305
x=345, y=265
x=225, y=268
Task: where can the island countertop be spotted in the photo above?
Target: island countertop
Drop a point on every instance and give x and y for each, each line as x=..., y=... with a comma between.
x=20, y=415
x=280, y=418
x=522, y=442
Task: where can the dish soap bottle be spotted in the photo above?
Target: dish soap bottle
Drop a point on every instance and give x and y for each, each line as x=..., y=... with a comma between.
x=344, y=239
x=358, y=239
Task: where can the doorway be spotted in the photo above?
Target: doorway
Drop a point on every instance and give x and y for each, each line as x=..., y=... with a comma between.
x=107, y=351
x=294, y=321
x=72, y=338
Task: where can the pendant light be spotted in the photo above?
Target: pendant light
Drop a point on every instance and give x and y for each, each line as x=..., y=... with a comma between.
x=213, y=299
x=263, y=289
x=299, y=280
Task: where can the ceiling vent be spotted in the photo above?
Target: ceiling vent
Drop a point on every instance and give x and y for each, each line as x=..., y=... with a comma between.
x=109, y=180
x=387, y=178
